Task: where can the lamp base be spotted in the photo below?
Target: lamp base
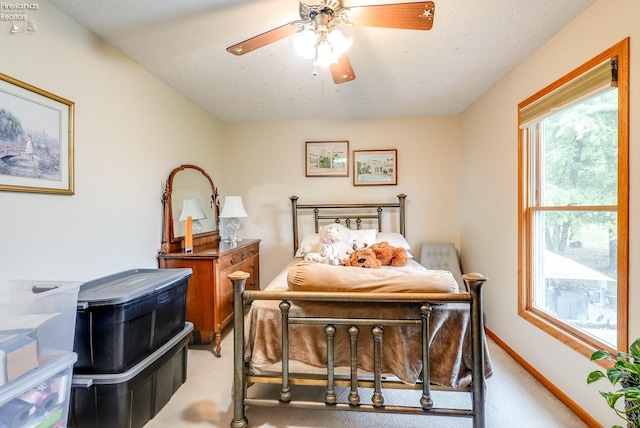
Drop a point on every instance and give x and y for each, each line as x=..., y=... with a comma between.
x=233, y=226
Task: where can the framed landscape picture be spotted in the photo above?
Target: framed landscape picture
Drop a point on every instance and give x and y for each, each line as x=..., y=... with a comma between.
x=375, y=167
x=36, y=139
x=327, y=159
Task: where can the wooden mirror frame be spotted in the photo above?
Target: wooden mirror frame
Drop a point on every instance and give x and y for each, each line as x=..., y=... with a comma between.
x=175, y=244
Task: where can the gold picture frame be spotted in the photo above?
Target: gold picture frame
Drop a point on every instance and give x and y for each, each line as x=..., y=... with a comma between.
x=375, y=167
x=327, y=159
x=36, y=139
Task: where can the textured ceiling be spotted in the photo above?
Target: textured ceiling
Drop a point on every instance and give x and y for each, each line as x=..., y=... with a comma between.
x=472, y=45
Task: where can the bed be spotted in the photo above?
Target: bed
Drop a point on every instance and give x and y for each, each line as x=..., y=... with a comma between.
x=348, y=330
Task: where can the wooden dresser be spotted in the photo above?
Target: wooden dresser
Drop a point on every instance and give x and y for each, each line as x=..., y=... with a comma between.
x=210, y=293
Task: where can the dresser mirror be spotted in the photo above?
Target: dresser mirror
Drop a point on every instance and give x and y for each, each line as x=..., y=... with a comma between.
x=192, y=184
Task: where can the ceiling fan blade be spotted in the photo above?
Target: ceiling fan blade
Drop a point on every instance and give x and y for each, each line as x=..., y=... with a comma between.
x=264, y=39
x=342, y=71
x=410, y=16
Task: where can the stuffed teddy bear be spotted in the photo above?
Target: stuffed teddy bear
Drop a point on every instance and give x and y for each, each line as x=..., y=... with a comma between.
x=320, y=257
x=333, y=248
x=365, y=258
x=326, y=255
x=390, y=255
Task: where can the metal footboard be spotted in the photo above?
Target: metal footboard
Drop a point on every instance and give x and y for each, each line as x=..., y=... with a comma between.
x=357, y=327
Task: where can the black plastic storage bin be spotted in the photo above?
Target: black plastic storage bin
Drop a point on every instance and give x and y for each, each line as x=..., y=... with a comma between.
x=133, y=398
x=124, y=317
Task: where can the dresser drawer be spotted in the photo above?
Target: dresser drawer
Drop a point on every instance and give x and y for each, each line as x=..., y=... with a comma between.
x=237, y=257
x=252, y=267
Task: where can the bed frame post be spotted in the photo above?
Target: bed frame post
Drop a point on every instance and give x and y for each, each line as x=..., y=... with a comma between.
x=426, y=401
x=377, y=399
x=401, y=200
x=474, y=282
x=330, y=392
x=294, y=216
x=354, y=396
x=285, y=389
x=238, y=278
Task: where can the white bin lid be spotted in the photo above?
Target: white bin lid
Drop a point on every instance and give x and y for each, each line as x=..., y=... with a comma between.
x=125, y=286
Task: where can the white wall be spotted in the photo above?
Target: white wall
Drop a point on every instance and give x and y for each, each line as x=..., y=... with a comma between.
x=264, y=163
x=489, y=216
x=131, y=130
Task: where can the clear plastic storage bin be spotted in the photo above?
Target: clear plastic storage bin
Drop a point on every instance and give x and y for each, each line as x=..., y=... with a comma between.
x=39, y=398
x=37, y=323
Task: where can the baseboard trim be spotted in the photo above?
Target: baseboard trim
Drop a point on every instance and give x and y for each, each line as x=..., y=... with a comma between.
x=572, y=405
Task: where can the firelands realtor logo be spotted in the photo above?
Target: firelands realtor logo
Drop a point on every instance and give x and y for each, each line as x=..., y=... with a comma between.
x=18, y=16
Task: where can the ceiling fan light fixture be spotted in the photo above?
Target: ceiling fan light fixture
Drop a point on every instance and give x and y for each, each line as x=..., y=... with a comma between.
x=331, y=47
x=325, y=56
x=304, y=43
x=339, y=43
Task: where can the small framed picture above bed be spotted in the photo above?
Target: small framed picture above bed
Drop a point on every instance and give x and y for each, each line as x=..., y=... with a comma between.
x=327, y=159
x=375, y=167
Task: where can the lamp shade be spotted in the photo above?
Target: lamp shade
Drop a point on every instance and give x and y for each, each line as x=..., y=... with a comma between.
x=192, y=207
x=233, y=208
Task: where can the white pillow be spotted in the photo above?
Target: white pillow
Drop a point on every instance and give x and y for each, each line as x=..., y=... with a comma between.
x=363, y=237
x=307, y=242
x=395, y=240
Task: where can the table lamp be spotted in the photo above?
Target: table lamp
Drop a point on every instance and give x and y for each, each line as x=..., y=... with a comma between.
x=233, y=209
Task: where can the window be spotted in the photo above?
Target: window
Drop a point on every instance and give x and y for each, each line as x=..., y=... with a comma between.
x=573, y=205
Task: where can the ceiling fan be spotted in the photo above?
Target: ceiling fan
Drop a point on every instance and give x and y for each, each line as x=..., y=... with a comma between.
x=319, y=39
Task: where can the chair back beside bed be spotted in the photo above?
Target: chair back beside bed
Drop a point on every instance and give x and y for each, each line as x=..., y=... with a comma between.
x=441, y=256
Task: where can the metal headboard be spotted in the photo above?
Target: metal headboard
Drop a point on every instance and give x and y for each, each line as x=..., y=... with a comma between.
x=353, y=212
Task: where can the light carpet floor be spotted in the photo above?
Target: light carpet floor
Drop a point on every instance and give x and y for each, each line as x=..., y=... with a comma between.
x=513, y=399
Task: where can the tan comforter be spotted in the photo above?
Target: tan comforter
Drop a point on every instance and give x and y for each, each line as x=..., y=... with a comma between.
x=308, y=276
x=449, y=325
